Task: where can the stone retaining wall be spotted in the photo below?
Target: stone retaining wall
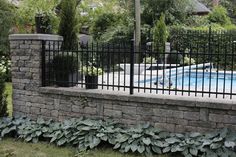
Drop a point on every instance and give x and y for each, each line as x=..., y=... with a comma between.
x=176, y=114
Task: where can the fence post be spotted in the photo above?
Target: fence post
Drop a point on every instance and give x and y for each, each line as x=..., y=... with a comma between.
x=132, y=51
x=43, y=62
x=209, y=40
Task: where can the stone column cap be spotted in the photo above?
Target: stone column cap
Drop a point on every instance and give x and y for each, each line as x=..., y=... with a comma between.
x=35, y=37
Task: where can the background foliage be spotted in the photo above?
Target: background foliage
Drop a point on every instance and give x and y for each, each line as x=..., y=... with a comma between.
x=7, y=17
x=27, y=10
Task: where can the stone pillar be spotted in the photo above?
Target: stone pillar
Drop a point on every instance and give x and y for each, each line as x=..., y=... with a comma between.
x=26, y=50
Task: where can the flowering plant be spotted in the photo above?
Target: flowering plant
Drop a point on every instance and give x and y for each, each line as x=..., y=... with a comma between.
x=189, y=61
x=91, y=71
x=4, y=65
x=149, y=60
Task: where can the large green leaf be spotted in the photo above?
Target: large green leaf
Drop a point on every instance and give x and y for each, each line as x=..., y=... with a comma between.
x=166, y=150
x=141, y=149
x=215, y=145
x=193, y=151
x=116, y=146
x=134, y=147
x=172, y=140
x=156, y=149
x=95, y=142
x=61, y=142
x=229, y=144
x=161, y=144
x=147, y=141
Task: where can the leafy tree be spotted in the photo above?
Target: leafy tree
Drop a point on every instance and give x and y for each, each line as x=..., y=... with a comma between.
x=230, y=6
x=160, y=35
x=103, y=22
x=6, y=23
x=175, y=11
x=219, y=15
x=68, y=27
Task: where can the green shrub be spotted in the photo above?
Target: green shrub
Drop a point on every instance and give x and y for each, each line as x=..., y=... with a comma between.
x=68, y=27
x=220, y=16
x=144, y=139
x=3, y=96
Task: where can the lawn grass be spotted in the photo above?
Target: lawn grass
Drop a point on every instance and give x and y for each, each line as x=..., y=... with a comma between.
x=8, y=89
x=16, y=148
x=12, y=148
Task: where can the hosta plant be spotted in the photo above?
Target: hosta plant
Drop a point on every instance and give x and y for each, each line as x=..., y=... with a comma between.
x=144, y=139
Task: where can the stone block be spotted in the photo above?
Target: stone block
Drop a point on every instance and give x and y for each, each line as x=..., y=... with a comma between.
x=177, y=121
x=112, y=113
x=77, y=109
x=35, y=110
x=144, y=111
x=54, y=113
x=202, y=124
x=90, y=110
x=192, y=116
x=129, y=110
x=168, y=113
x=65, y=107
x=165, y=126
x=204, y=114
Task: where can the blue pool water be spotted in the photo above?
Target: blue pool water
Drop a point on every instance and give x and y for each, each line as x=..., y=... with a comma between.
x=207, y=81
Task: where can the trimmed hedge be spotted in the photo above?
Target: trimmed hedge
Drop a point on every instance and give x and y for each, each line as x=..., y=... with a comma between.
x=206, y=45
x=144, y=139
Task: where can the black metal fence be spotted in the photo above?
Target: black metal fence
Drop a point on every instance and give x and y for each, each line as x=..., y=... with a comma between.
x=206, y=69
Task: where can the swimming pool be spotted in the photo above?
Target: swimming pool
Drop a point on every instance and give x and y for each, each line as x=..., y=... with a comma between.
x=197, y=81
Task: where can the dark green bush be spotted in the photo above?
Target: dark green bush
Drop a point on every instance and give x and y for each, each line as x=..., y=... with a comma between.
x=64, y=67
x=3, y=96
x=174, y=58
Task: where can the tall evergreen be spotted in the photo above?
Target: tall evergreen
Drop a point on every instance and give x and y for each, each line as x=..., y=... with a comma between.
x=68, y=27
x=160, y=35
